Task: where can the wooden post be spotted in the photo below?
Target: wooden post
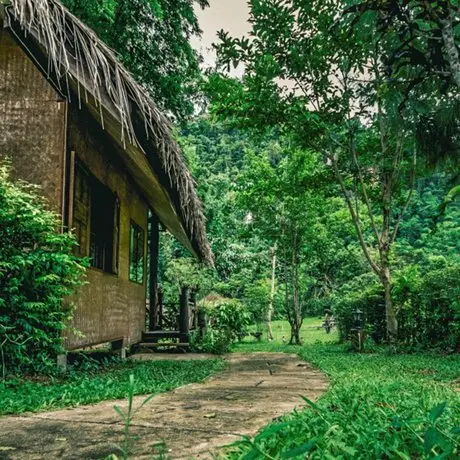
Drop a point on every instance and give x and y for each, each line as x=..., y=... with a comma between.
x=160, y=308
x=184, y=315
x=154, y=247
x=201, y=322
x=62, y=363
x=119, y=346
x=193, y=310
x=71, y=191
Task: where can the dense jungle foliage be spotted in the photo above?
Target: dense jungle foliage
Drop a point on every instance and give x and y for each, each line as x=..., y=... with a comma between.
x=250, y=183
x=360, y=86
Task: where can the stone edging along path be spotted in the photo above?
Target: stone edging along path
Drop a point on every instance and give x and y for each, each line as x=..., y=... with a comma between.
x=192, y=421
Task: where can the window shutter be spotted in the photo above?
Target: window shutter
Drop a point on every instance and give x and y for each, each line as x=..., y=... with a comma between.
x=81, y=213
x=116, y=236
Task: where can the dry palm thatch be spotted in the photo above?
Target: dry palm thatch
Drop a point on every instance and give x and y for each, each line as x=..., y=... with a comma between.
x=74, y=50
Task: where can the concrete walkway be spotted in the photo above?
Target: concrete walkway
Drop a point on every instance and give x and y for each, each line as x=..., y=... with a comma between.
x=192, y=421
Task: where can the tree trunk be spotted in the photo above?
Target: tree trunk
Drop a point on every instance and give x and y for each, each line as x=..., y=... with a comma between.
x=297, y=312
x=296, y=323
x=295, y=336
x=392, y=322
x=286, y=279
x=384, y=251
x=272, y=294
x=451, y=49
x=390, y=315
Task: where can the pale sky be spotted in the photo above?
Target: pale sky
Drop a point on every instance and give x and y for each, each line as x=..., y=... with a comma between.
x=230, y=15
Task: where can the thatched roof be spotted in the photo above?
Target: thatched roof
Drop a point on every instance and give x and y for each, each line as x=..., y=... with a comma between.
x=75, y=52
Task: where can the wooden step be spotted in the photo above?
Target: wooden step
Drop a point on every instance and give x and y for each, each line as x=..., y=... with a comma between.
x=155, y=335
x=164, y=344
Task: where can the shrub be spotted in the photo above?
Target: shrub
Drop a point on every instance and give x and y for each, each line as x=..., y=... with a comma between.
x=37, y=270
x=427, y=304
x=216, y=341
x=226, y=321
x=429, y=307
x=364, y=293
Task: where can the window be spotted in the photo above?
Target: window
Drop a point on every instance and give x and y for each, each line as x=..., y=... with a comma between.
x=96, y=221
x=136, y=254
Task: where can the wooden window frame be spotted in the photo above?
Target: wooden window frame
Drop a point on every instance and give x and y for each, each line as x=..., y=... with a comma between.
x=134, y=252
x=91, y=183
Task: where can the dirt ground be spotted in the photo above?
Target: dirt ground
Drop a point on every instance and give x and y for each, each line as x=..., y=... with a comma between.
x=190, y=422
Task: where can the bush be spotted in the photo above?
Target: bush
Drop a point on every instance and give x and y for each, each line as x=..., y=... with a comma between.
x=226, y=321
x=256, y=297
x=215, y=341
x=37, y=270
x=427, y=304
x=366, y=294
x=429, y=307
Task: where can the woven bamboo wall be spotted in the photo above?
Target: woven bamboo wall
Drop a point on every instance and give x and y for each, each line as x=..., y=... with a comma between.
x=109, y=306
x=32, y=122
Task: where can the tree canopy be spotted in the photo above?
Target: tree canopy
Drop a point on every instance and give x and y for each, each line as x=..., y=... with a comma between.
x=152, y=39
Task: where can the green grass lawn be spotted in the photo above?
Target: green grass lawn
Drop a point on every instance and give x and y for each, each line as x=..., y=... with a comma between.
x=102, y=383
x=379, y=405
x=311, y=332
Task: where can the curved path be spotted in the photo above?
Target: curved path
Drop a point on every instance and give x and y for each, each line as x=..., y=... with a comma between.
x=192, y=421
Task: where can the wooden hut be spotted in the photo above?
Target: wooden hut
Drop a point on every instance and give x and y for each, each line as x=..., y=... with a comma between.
x=74, y=121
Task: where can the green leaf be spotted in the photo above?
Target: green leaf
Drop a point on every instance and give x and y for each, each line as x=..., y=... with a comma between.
x=146, y=401
x=311, y=403
x=272, y=430
x=437, y=411
x=252, y=454
x=120, y=413
x=307, y=447
x=432, y=438
x=349, y=450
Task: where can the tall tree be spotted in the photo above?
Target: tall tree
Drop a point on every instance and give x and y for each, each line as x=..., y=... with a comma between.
x=277, y=190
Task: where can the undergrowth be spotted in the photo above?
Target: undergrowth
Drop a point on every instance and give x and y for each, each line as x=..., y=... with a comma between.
x=379, y=405
x=91, y=385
